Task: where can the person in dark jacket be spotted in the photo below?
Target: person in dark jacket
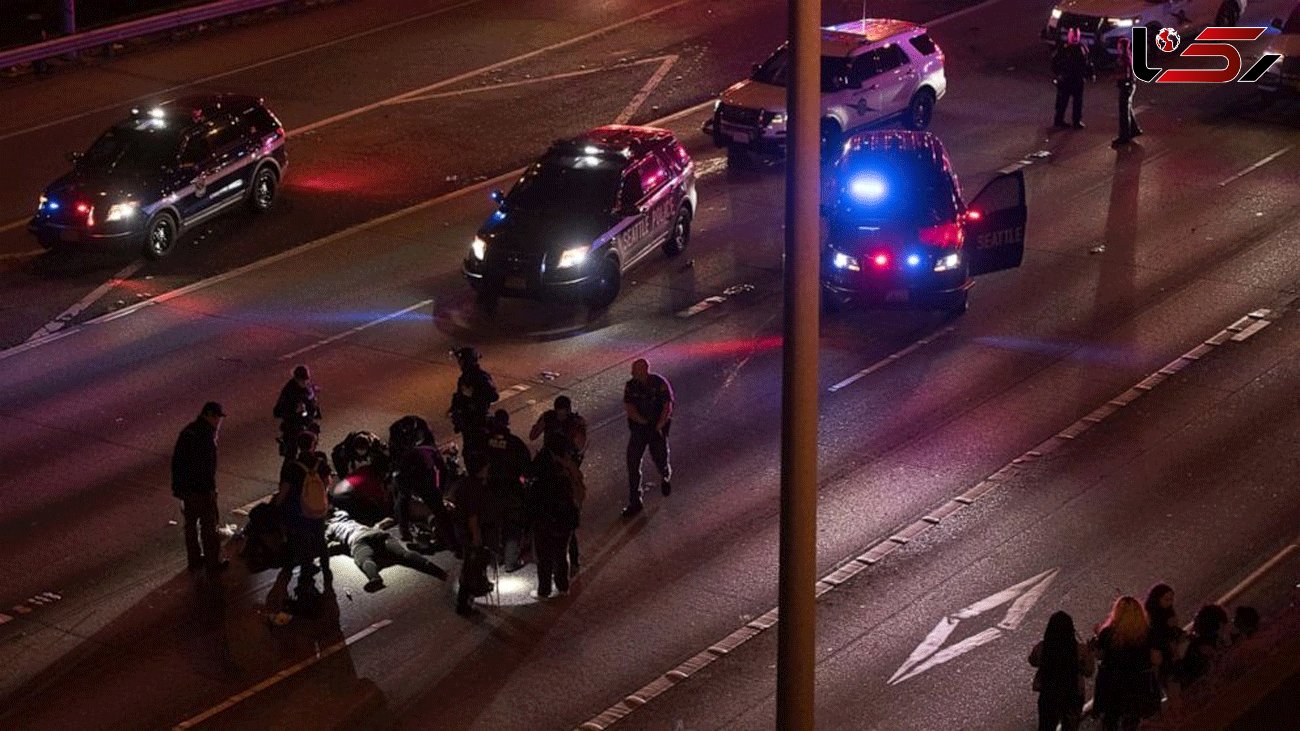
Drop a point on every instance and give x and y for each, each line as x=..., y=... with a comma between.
x=420, y=471
x=1063, y=662
x=475, y=394
x=1166, y=632
x=648, y=400
x=1127, y=689
x=194, y=483
x=508, y=459
x=563, y=419
x=1209, y=638
x=553, y=511
x=296, y=408
x=369, y=546
x=305, y=533
x=1126, y=85
x=1072, y=68
x=473, y=510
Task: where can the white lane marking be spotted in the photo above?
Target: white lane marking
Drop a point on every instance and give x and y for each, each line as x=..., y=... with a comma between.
x=241, y=69
x=516, y=389
x=710, y=166
x=846, y=571
x=482, y=70
x=701, y=306
x=63, y=318
x=1255, y=166
x=928, y=654
x=309, y=246
x=646, y=89
x=357, y=329
x=1251, y=330
x=536, y=80
x=238, y=698
x=892, y=357
x=246, y=508
x=959, y=13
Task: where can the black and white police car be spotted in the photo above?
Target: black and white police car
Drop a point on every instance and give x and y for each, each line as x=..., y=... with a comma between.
x=590, y=209
x=163, y=170
x=898, y=231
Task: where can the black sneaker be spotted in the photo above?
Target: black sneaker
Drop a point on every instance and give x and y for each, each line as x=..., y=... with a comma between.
x=666, y=488
x=1060, y=124
x=374, y=585
x=632, y=510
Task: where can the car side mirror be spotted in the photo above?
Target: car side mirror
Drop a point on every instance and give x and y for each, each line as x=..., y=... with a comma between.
x=497, y=196
x=1277, y=23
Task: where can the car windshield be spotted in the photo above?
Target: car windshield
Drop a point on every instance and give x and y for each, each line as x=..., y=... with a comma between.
x=776, y=70
x=876, y=187
x=135, y=149
x=568, y=183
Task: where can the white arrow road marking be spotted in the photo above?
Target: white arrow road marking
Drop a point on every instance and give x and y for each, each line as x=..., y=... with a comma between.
x=1022, y=596
x=59, y=322
x=648, y=87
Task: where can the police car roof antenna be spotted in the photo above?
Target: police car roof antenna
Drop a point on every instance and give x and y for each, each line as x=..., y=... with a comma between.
x=864, y=15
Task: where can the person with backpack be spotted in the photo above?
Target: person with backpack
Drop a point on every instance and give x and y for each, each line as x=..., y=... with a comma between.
x=553, y=507
x=303, y=500
x=1063, y=662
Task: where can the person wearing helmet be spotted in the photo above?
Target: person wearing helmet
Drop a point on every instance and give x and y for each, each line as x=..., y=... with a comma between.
x=296, y=408
x=1072, y=67
x=475, y=393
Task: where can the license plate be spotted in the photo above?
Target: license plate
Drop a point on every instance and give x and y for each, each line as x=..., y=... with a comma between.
x=516, y=283
x=68, y=234
x=896, y=295
x=744, y=137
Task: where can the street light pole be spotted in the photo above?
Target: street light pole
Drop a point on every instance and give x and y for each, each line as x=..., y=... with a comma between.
x=796, y=629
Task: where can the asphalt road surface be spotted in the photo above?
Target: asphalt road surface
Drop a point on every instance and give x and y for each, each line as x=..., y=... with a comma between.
x=404, y=114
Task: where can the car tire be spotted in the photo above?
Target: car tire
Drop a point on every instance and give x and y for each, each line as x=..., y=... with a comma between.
x=681, y=233
x=261, y=193
x=161, y=236
x=1228, y=14
x=604, y=290
x=832, y=137
x=920, y=110
x=955, y=304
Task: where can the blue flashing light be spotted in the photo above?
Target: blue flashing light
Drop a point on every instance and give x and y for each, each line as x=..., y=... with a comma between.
x=867, y=188
x=913, y=260
x=498, y=215
x=52, y=205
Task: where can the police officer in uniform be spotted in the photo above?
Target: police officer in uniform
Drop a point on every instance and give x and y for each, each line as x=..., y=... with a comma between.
x=475, y=392
x=508, y=459
x=648, y=400
x=1072, y=67
x=1126, y=85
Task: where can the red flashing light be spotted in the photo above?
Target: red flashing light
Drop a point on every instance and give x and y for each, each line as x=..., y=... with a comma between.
x=973, y=215
x=83, y=208
x=880, y=260
x=945, y=235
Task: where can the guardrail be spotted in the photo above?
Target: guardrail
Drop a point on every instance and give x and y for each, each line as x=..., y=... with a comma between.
x=99, y=37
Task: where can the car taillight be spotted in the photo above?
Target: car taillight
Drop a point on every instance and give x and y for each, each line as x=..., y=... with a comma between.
x=945, y=235
x=88, y=211
x=880, y=261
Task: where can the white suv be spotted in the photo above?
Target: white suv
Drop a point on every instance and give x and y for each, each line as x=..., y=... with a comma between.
x=873, y=71
x=1103, y=22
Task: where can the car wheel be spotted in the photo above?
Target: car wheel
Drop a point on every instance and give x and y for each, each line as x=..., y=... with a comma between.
x=955, y=304
x=1228, y=14
x=262, y=193
x=160, y=236
x=920, y=110
x=832, y=139
x=681, y=233
x=605, y=289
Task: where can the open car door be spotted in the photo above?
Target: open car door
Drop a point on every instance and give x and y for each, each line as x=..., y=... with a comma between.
x=995, y=225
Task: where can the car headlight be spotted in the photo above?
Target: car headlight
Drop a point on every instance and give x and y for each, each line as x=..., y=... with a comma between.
x=478, y=249
x=771, y=118
x=573, y=257
x=716, y=104
x=844, y=261
x=1056, y=13
x=122, y=211
x=947, y=263
x=40, y=204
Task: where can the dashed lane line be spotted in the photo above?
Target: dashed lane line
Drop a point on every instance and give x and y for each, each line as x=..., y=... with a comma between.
x=891, y=358
x=534, y=80
x=881, y=549
x=1255, y=166
x=63, y=318
x=238, y=698
x=646, y=89
x=357, y=329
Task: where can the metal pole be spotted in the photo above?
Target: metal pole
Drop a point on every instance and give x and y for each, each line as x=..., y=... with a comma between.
x=69, y=15
x=796, y=630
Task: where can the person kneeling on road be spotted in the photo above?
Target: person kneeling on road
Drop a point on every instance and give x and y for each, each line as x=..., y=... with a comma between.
x=368, y=546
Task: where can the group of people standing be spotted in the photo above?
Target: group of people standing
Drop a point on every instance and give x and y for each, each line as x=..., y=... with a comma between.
x=506, y=504
x=1073, y=68
x=1139, y=653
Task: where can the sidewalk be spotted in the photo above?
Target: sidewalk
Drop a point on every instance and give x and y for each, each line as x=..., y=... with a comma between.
x=1254, y=687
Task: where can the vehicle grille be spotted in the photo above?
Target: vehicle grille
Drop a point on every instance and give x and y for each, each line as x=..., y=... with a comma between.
x=516, y=262
x=1085, y=23
x=739, y=116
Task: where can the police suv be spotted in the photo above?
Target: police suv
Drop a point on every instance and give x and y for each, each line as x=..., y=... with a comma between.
x=872, y=71
x=163, y=170
x=898, y=231
x=1103, y=22
x=1283, y=77
x=590, y=209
